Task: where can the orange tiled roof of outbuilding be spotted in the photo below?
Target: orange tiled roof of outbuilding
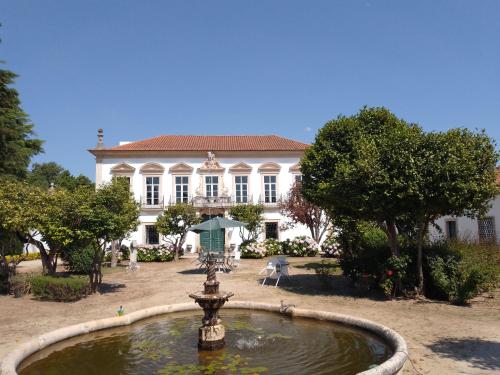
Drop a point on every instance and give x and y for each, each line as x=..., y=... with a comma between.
x=213, y=143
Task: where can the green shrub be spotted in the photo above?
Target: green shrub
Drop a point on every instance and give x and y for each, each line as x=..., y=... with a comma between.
x=273, y=247
x=80, y=260
x=366, y=257
x=20, y=284
x=63, y=289
x=457, y=272
x=155, y=253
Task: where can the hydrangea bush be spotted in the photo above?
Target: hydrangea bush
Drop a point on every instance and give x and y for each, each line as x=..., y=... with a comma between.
x=273, y=247
x=301, y=246
x=155, y=253
x=331, y=248
x=253, y=250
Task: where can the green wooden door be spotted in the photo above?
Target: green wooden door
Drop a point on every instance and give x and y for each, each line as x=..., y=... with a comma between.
x=212, y=240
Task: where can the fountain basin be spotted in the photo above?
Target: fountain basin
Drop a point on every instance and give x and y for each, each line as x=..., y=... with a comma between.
x=393, y=341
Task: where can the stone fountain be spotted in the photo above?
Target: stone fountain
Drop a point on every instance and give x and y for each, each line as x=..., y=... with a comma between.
x=211, y=333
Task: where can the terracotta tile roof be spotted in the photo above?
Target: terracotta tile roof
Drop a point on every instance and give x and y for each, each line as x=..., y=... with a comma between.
x=213, y=143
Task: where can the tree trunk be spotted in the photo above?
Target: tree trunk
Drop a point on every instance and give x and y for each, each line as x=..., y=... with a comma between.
x=392, y=236
x=420, y=272
x=114, y=253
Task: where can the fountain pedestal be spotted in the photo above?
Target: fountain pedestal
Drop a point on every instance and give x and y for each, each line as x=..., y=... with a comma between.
x=211, y=333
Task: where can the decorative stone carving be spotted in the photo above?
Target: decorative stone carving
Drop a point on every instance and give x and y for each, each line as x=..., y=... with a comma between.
x=181, y=168
x=240, y=167
x=211, y=166
x=295, y=168
x=269, y=167
x=122, y=168
x=152, y=168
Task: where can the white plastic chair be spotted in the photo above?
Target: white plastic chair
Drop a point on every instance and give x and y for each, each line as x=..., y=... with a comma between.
x=275, y=268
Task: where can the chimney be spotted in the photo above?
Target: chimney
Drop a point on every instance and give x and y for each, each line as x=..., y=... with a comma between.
x=100, y=137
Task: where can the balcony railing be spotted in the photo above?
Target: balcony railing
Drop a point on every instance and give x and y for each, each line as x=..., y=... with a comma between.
x=213, y=202
x=270, y=202
x=157, y=204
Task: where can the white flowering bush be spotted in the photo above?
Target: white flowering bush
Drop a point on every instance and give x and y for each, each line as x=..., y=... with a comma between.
x=331, y=248
x=253, y=250
x=301, y=246
x=155, y=253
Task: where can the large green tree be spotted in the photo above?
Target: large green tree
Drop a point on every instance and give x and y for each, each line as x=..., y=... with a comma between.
x=174, y=222
x=363, y=167
x=17, y=145
x=109, y=214
x=44, y=175
x=455, y=176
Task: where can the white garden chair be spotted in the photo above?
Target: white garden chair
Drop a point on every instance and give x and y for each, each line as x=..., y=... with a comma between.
x=274, y=269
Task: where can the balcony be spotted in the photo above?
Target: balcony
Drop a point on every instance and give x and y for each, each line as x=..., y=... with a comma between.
x=152, y=204
x=268, y=201
x=213, y=202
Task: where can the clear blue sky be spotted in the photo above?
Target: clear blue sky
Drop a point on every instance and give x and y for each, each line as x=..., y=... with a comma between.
x=145, y=68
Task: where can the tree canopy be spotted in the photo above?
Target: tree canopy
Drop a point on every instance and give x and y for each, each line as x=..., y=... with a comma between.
x=44, y=175
x=174, y=222
x=251, y=214
x=363, y=166
x=17, y=144
x=374, y=166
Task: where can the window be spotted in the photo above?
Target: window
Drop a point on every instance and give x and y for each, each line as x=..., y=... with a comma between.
x=152, y=236
x=212, y=186
x=486, y=228
x=181, y=189
x=241, y=189
x=451, y=229
x=152, y=191
x=271, y=230
x=270, y=189
x=298, y=178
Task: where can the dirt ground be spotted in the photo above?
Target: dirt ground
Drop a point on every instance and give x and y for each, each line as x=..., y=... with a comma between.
x=442, y=339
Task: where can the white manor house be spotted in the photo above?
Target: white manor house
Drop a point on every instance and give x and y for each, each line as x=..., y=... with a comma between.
x=213, y=173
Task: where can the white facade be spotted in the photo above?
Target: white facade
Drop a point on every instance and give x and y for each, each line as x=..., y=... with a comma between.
x=164, y=169
x=470, y=229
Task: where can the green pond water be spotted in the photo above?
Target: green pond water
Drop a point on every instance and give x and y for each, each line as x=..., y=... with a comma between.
x=256, y=343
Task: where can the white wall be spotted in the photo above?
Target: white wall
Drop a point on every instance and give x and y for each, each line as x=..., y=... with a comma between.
x=285, y=181
x=467, y=228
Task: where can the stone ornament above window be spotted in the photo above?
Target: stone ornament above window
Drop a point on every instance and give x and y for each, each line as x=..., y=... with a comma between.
x=122, y=168
x=181, y=168
x=211, y=165
x=240, y=167
x=269, y=167
x=152, y=168
x=295, y=168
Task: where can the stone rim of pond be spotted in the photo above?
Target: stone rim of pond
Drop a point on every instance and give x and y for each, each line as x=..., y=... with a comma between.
x=393, y=365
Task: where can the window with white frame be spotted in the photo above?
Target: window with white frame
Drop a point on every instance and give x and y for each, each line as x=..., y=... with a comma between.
x=212, y=186
x=152, y=191
x=486, y=228
x=241, y=189
x=181, y=189
x=270, y=195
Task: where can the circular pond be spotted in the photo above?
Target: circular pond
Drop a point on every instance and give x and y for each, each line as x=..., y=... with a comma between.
x=256, y=343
